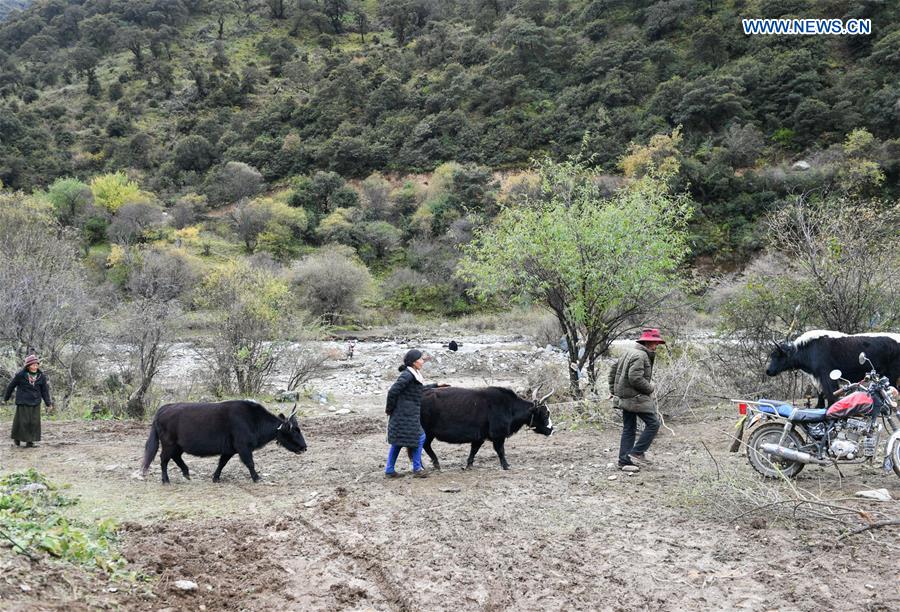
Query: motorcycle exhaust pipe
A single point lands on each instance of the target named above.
(790, 454)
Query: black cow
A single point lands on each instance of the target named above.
(224, 428)
(471, 416)
(819, 352)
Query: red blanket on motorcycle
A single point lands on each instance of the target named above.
(858, 403)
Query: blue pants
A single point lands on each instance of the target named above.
(415, 456)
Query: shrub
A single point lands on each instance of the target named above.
(160, 276)
(133, 220)
(193, 153)
(253, 308)
(330, 283)
(188, 209)
(71, 199)
(111, 191)
(236, 181)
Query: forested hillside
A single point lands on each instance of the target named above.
(7, 6)
(173, 91)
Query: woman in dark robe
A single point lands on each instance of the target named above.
(31, 386)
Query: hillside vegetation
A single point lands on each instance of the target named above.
(7, 6)
(173, 90)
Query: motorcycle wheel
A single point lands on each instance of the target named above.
(768, 466)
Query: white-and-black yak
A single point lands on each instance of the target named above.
(818, 352)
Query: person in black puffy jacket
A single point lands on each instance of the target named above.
(404, 403)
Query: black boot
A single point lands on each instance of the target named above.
(17, 442)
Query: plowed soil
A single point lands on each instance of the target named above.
(325, 531)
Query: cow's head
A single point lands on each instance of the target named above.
(288, 433)
(781, 358)
(540, 421)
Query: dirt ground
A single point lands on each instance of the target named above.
(325, 531)
(563, 529)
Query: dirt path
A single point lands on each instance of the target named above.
(325, 531)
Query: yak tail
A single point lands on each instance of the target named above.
(150, 448)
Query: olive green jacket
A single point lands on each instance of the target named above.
(629, 380)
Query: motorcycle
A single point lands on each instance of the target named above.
(782, 438)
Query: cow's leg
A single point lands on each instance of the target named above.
(498, 447)
(475, 446)
(430, 452)
(176, 457)
(246, 456)
(164, 456)
(223, 459)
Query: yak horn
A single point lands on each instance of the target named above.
(543, 399)
(535, 392)
(293, 411)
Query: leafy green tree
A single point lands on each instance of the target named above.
(99, 31)
(338, 226)
(133, 39)
(335, 11)
(283, 235)
(317, 194)
(253, 307)
(84, 59)
(111, 191)
(194, 152)
(271, 225)
(378, 240)
(71, 199)
(859, 175)
(603, 267)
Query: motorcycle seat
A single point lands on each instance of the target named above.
(812, 415)
(775, 407)
(808, 416)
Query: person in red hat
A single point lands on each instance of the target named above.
(631, 388)
(31, 386)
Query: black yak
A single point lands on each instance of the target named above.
(235, 427)
(471, 416)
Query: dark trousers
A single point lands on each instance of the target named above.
(629, 429)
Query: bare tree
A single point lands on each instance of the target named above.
(145, 336)
(302, 358)
(132, 220)
(47, 306)
(330, 283)
(145, 329)
(250, 220)
(848, 256)
(254, 318)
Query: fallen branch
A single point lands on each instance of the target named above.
(718, 472)
(875, 525)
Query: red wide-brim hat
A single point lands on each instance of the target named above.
(651, 335)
